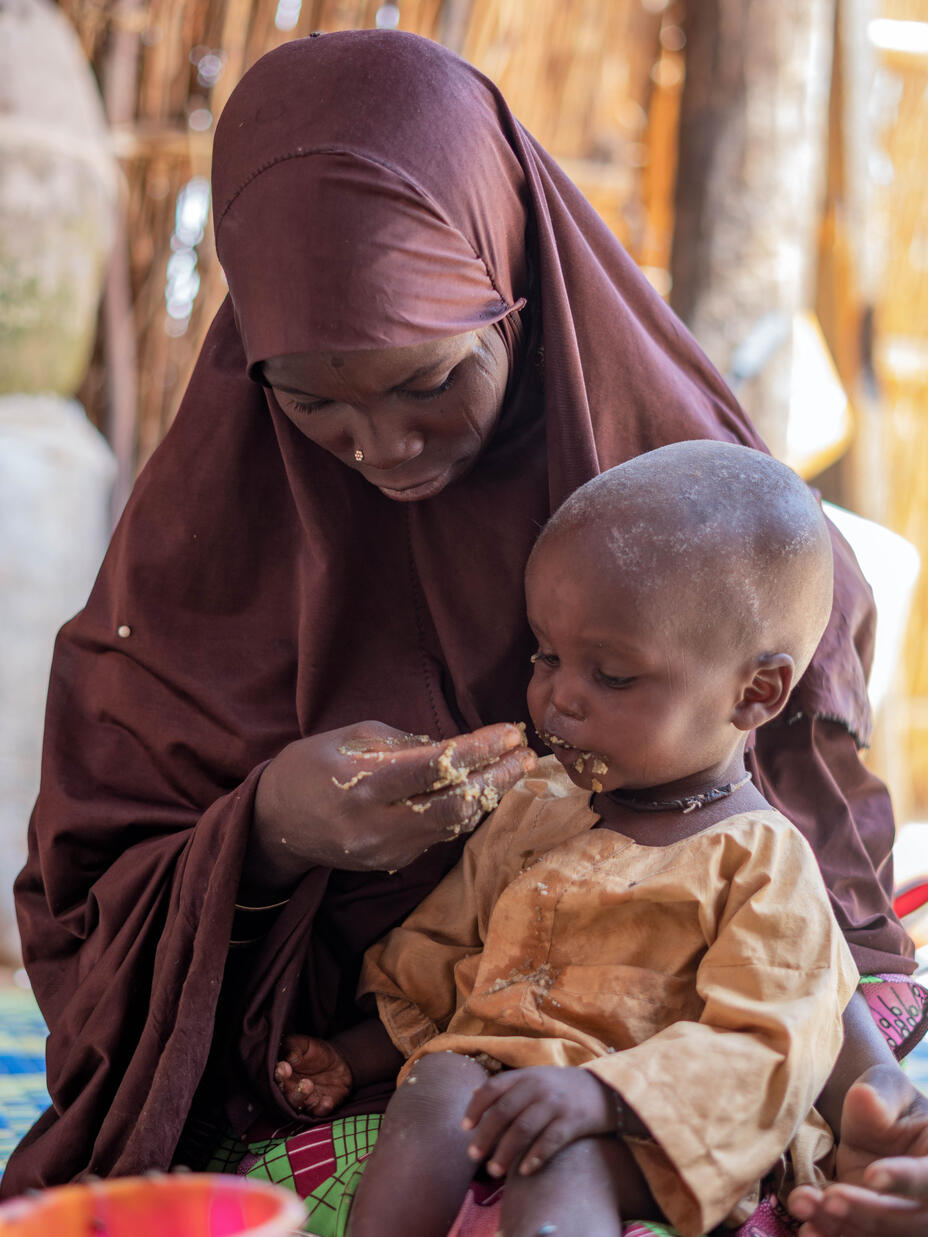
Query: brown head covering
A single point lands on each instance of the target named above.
(369, 189)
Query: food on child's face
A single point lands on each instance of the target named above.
(551, 739)
(598, 767)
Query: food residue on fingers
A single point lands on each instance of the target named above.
(377, 748)
(449, 774)
(352, 781)
(417, 807)
(489, 798)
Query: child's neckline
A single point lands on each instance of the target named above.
(661, 829)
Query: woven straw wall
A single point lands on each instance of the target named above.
(595, 80)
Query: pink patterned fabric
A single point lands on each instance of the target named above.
(899, 1007)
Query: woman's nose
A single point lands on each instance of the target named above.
(387, 443)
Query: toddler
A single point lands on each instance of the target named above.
(627, 995)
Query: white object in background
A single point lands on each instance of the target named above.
(890, 565)
(56, 472)
(910, 863)
(819, 426)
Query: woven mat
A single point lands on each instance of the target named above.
(22, 1067)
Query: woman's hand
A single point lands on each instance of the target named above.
(369, 797)
(312, 1074)
(525, 1116)
(881, 1168)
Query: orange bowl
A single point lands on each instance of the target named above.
(161, 1205)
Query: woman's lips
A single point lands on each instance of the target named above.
(418, 490)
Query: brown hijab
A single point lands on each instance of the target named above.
(370, 189)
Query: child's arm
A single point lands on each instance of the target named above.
(315, 1075)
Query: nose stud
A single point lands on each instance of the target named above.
(358, 454)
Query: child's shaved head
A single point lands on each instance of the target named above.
(719, 540)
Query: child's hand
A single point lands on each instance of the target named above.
(313, 1076)
(529, 1114)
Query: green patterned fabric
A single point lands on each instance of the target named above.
(324, 1165)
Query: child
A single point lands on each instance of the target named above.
(627, 995)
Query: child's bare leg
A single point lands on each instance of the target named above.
(419, 1170)
(586, 1188)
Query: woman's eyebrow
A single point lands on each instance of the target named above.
(294, 391)
(433, 367)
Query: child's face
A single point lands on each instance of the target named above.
(616, 692)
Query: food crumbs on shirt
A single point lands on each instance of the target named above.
(123, 631)
(542, 977)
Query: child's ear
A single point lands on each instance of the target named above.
(766, 692)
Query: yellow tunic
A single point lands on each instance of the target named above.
(704, 981)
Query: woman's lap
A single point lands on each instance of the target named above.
(324, 1164)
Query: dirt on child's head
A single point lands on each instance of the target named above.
(722, 542)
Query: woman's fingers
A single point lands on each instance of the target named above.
(397, 775)
(849, 1211)
(451, 810)
(904, 1175)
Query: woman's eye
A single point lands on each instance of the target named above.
(546, 659)
(432, 392)
(308, 406)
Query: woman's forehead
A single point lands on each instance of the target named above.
(378, 368)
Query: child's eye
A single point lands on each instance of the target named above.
(614, 681)
(433, 391)
(546, 659)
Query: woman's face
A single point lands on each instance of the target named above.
(409, 420)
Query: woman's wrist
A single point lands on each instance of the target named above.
(272, 866)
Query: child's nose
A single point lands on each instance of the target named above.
(567, 698)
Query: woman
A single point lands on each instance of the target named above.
(430, 340)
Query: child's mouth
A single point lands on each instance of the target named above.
(574, 758)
